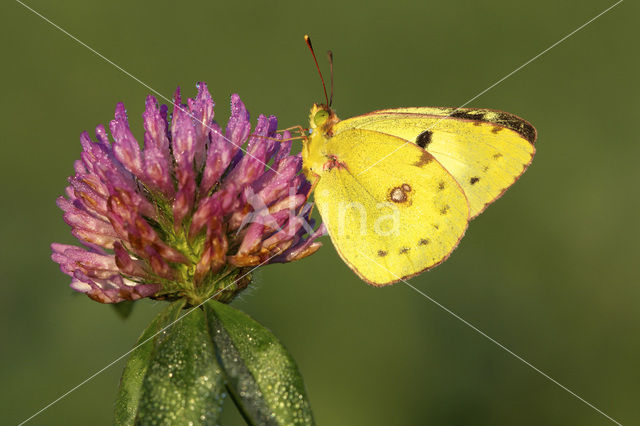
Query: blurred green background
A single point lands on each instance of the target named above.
(550, 271)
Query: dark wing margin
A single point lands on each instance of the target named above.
(500, 118)
(510, 121)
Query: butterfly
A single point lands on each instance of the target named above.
(396, 188)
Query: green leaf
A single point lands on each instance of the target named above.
(262, 377)
(184, 384)
(128, 398)
(124, 308)
(173, 376)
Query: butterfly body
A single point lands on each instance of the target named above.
(396, 188)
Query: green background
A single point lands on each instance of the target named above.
(550, 271)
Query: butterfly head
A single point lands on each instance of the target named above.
(322, 119)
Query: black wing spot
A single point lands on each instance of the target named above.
(474, 180)
(404, 250)
(424, 138)
(444, 209)
(382, 253)
(441, 185)
(496, 129)
(423, 242)
(497, 156)
(435, 225)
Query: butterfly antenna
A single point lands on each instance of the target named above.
(330, 56)
(307, 40)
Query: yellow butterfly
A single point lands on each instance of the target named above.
(396, 188)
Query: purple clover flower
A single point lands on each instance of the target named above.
(189, 214)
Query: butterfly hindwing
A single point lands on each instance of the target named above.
(484, 150)
(391, 209)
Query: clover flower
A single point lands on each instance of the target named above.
(188, 215)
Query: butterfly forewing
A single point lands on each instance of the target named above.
(484, 150)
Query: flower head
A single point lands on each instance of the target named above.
(189, 214)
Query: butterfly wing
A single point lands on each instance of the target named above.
(391, 209)
(486, 151)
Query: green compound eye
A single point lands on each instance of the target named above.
(320, 117)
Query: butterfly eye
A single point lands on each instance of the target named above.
(320, 117)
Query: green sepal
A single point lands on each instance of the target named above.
(184, 384)
(124, 308)
(173, 378)
(126, 406)
(262, 377)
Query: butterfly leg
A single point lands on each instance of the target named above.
(278, 140)
(311, 189)
(299, 129)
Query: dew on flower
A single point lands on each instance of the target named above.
(191, 213)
